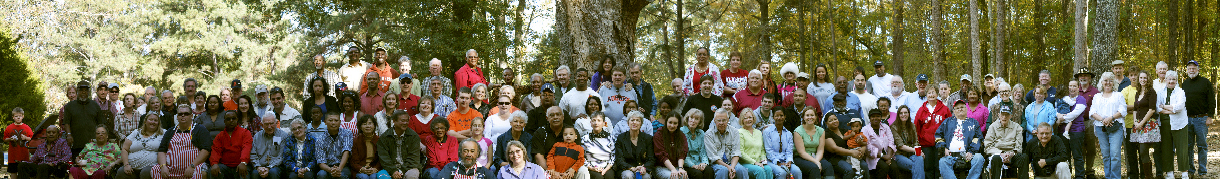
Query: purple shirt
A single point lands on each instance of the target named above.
(51, 153)
(979, 113)
(531, 171)
(1078, 123)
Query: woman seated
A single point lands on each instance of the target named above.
(98, 156)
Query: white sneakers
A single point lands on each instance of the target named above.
(1185, 175)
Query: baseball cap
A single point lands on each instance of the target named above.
(547, 87)
(82, 84)
(404, 78)
(874, 112)
(960, 101)
(260, 89)
(921, 77)
(1192, 62)
(855, 120)
(878, 63)
(340, 86)
(966, 77)
(235, 84)
(989, 76)
(1116, 62)
(1006, 109)
(802, 75)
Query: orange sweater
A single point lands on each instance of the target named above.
(564, 156)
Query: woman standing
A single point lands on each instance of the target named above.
(321, 99)
(419, 122)
(246, 117)
(633, 150)
(778, 142)
(602, 74)
(821, 88)
(478, 99)
(140, 149)
(1147, 130)
(1108, 110)
(697, 164)
(128, 120)
(1172, 105)
(702, 67)
(599, 151)
(98, 157)
(670, 147)
(349, 104)
(809, 136)
(753, 154)
(975, 108)
(905, 139)
(364, 160)
(499, 122)
(213, 119)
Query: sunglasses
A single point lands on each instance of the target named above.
(506, 103)
(184, 114)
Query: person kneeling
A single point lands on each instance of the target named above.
(1048, 156)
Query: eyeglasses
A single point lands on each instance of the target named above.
(506, 103)
(184, 114)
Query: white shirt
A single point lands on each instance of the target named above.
(881, 85)
(352, 74)
(1177, 100)
(1107, 106)
(911, 100)
(821, 90)
(495, 125)
(867, 102)
(1077, 109)
(574, 101)
(287, 116)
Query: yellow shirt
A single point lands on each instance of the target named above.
(1129, 94)
(751, 146)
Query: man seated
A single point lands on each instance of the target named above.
(1003, 145)
(465, 167)
(959, 137)
(50, 158)
(1048, 156)
(397, 159)
(230, 150)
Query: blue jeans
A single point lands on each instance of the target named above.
(1199, 139)
(758, 172)
(845, 171)
(976, 166)
(346, 173)
(379, 174)
(1111, 144)
(911, 162)
(722, 172)
(272, 173)
(782, 172)
(293, 175)
(1075, 143)
(431, 172)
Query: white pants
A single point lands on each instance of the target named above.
(1061, 172)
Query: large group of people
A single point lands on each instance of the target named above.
(368, 120)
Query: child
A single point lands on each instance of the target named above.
(855, 141)
(476, 131)
(14, 134)
(561, 156)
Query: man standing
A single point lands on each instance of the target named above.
(900, 97)
(751, 96)
(959, 136)
(921, 87)
(537, 117)
(734, 77)
(705, 101)
(404, 68)
(574, 101)
(385, 73)
(80, 118)
(1004, 99)
(103, 101)
(466, 168)
(1201, 95)
(370, 98)
(283, 113)
(868, 101)
(616, 95)
(534, 98)
(443, 104)
(265, 153)
(351, 71)
(966, 84)
(1003, 145)
(398, 150)
(406, 100)
(1085, 79)
(1117, 68)
(320, 71)
(459, 120)
(647, 99)
(562, 81)
(469, 74)
(236, 87)
(446, 85)
(881, 81)
(230, 150)
(188, 89)
(1044, 78)
(264, 101)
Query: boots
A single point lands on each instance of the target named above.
(1146, 169)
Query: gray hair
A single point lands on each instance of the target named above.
(519, 115)
(755, 72)
(1171, 74)
(434, 60)
(1107, 76)
(564, 68)
(723, 111)
(1162, 64)
(462, 146)
(1048, 72)
(404, 59)
(635, 114)
(945, 82)
(536, 76)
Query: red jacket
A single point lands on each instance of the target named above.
(467, 77)
(440, 154)
(926, 122)
(231, 149)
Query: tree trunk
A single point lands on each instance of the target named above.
(976, 64)
(899, 38)
(519, 31)
(1188, 49)
(1172, 38)
(669, 53)
(1000, 29)
(938, 59)
(680, 29)
(834, 49)
(764, 35)
(1104, 25)
(593, 28)
(1080, 48)
(1039, 41)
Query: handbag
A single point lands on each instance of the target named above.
(1111, 128)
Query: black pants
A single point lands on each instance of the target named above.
(1131, 152)
(1019, 161)
(598, 175)
(931, 160)
(809, 169)
(707, 172)
(883, 169)
(42, 171)
(1164, 150)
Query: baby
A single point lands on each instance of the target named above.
(855, 141)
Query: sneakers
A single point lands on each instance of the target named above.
(1169, 175)
(1185, 175)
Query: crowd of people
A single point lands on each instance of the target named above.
(368, 120)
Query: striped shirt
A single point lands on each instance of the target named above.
(331, 147)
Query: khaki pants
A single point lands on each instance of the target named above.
(1061, 172)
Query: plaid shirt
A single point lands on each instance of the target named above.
(446, 89)
(51, 153)
(331, 78)
(331, 147)
(305, 159)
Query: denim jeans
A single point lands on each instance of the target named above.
(812, 170)
(1199, 140)
(1074, 146)
(346, 173)
(845, 171)
(722, 172)
(759, 172)
(976, 166)
(272, 173)
(782, 172)
(911, 162)
(1111, 144)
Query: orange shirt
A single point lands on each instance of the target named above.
(564, 156)
(386, 73)
(461, 122)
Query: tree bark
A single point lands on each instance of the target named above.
(764, 35)
(1173, 33)
(1000, 46)
(899, 39)
(593, 28)
(938, 59)
(976, 64)
(1104, 25)
(1079, 48)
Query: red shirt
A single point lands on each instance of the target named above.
(409, 102)
(734, 80)
(231, 149)
(467, 77)
(230, 105)
(564, 156)
(695, 82)
(746, 99)
(927, 121)
(15, 152)
(810, 101)
(371, 103)
(421, 128)
(440, 154)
